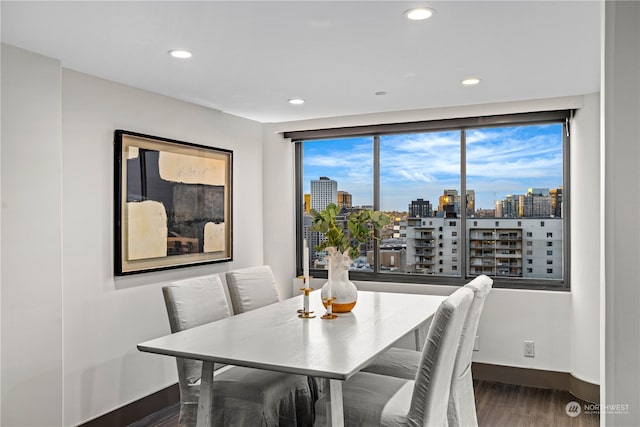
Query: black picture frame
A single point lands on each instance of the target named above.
(173, 203)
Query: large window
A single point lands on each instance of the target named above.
(420, 186)
(472, 196)
(336, 171)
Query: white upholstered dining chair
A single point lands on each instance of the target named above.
(403, 363)
(242, 396)
(372, 399)
(255, 287)
(251, 288)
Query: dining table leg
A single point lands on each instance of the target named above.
(205, 402)
(335, 411)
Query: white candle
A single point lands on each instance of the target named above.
(305, 264)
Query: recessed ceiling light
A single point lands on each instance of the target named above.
(296, 101)
(180, 53)
(419, 13)
(381, 93)
(472, 81)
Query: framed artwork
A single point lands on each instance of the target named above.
(172, 203)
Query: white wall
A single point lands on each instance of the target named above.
(585, 241)
(31, 304)
(65, 316)
(621, 102)
(105, 318)
(510, 316)
(279, 208)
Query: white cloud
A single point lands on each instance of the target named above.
(499, 161)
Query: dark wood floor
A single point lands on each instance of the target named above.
(498, 405)
(507, 405)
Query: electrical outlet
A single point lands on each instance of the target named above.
(529, 349)
(476, 344)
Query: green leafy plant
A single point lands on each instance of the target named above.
(349, 238)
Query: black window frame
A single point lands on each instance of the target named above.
(375, 131)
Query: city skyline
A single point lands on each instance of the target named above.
(500, 162)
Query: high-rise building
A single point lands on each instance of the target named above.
(420, 247)
(449, 203)
(511, 247)
(471, 202)
(400, 227)
(556, 202)
(509, 207)
(307, 203)
(538, 191)
(323, 192)
(536, 203)
(344, 199)
(420, 209)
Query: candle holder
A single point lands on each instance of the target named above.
(304, 313)
(328, 302)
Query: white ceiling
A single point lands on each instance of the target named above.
(249, 57)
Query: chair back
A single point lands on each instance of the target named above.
(193, 302)
(433, 379)
(251, 288)
(462, 407)
(481, 286)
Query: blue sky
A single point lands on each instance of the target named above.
(500, 161)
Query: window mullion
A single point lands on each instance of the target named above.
(376, 198)
(462, 256)
(566, 202)
(299, 208)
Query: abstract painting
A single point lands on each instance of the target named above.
(172, 203)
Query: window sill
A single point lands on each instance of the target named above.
(420, 279)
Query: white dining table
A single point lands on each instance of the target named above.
(275, 338)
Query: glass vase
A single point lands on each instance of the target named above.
(342, 289)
